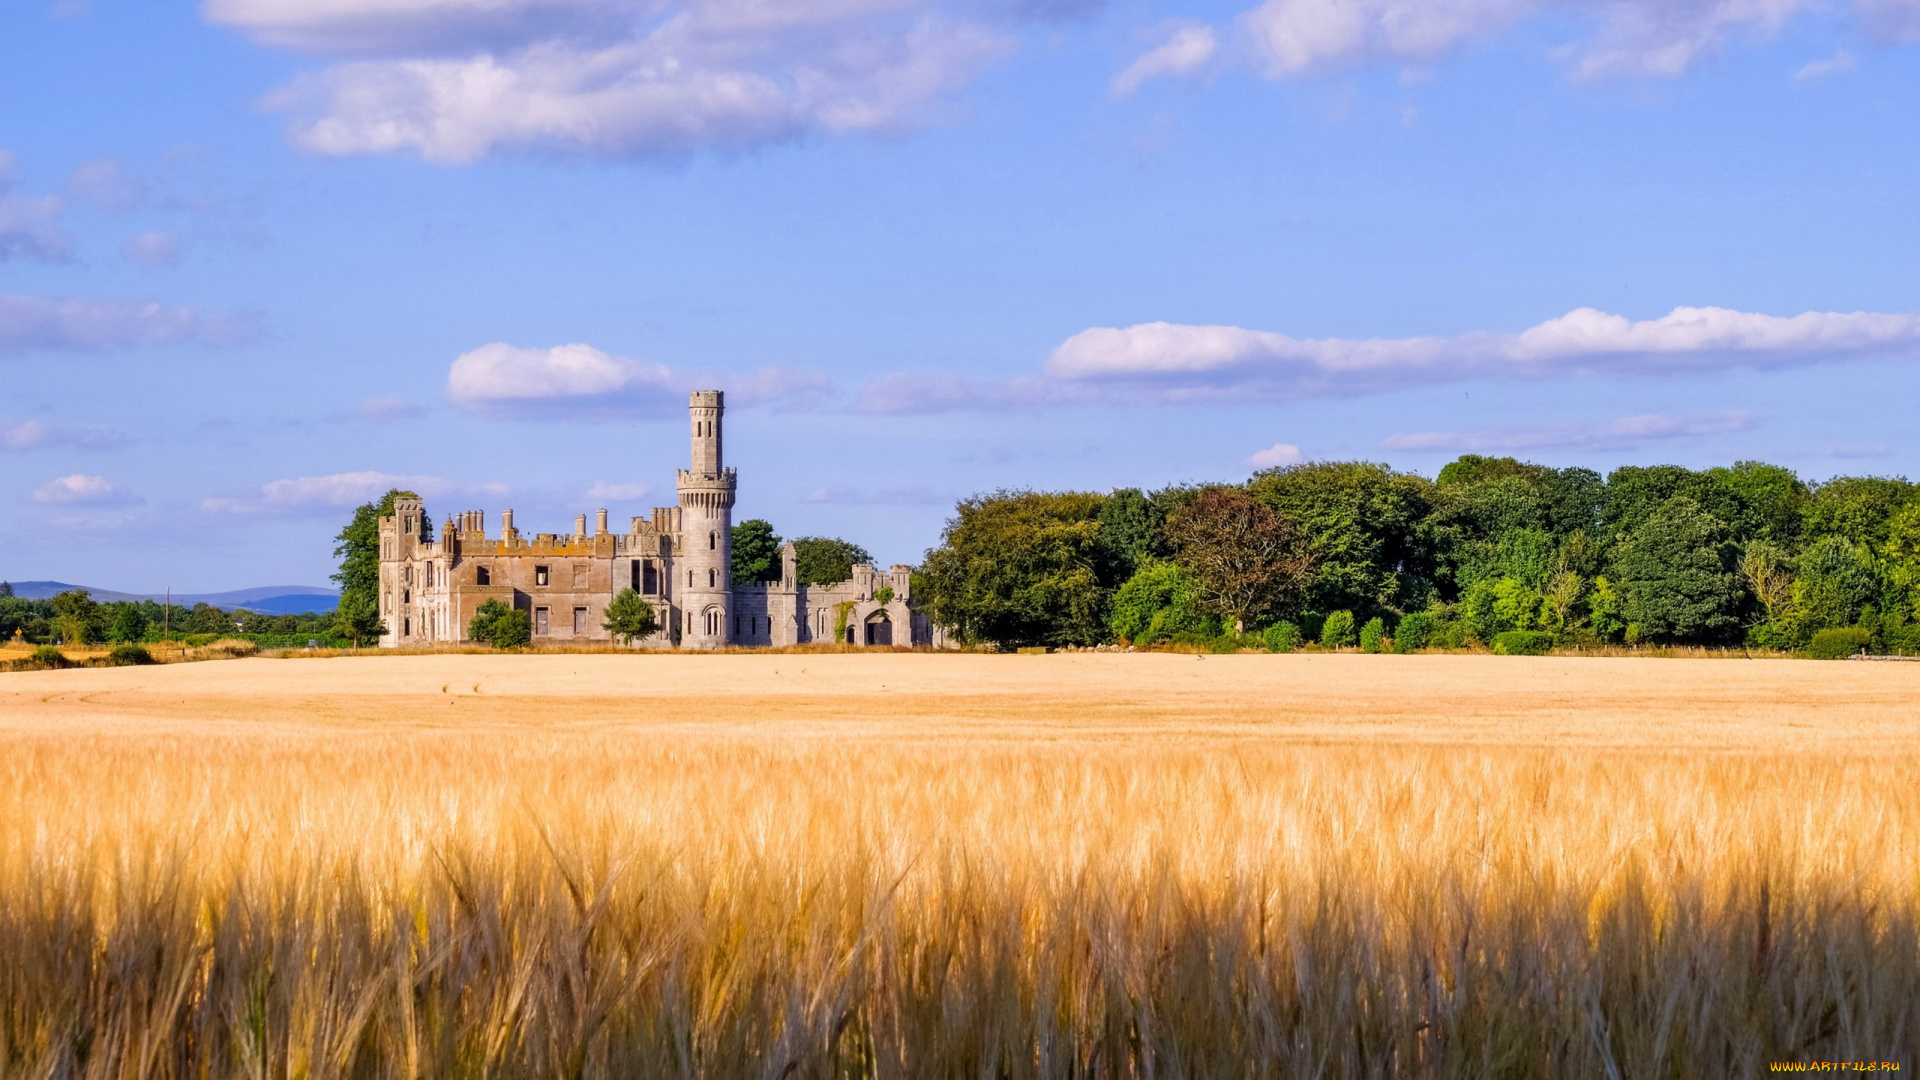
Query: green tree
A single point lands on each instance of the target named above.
(1020, 568)
(6, 590)
(358, 549)
(1673, 569)
(513, 630)
(1131, 533)
(630, 618)
(1856, 508)
(826, 560)
(357, 618)
(1836, 582)
(485, 617)
(75, 617)
(1337, 631)
(1157, 602)
(1363, 525)
(129, 624)
(756, 551)
(1245, 560)
(1901, 549)
(1773, 499)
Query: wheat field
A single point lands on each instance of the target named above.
(958, 866)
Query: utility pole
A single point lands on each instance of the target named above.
(166, 617)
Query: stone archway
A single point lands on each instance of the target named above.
(879, 629)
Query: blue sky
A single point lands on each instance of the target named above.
(259, 258)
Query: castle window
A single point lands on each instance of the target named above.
(407, 523)
(713, 541)
(542, 622)
(579, 576)
(649, 579)
(429, 575)
(579, 621)
(406, 628)
(406, 596)
(633, 568)
(481, 576)
(709, 578)
(540, 574)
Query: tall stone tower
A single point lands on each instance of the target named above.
(706, 530)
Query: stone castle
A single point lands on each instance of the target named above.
(678, 560)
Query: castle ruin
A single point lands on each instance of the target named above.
(679, 560)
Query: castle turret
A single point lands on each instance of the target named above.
(706, 529)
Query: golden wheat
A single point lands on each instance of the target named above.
(197, 880)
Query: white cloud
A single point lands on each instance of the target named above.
(906, 394)
(154, 249)
(1627, 38)
(103, 184)
(618, 492)
(1180, 360)
(385, 410)
(53, 323)
(83, 490)
(1275, 456)
(38, 434)
(1187, 49)
(335, 491)
(1624, 433)
(506, 380)
(1839, 63)
(458, 80)
(30, 225)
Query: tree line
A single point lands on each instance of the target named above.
(76, 618)
(1744, 555)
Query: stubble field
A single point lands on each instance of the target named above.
(912, 866)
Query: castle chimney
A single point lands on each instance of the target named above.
(507, 532)
(580, 525)
(600, 522)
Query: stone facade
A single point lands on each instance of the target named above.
(678, 560)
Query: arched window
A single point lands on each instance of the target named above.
(713, 541)
(709, 578)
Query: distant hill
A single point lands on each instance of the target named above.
(266, 599)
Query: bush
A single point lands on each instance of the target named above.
(1412, 633)
(1372, 634)
(1281, 637)
(46, 656)
(1522, 643)
(1839, 643)
(512, 630)
(1337, 631)
(128, 653)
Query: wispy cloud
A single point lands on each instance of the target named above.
(39, 435)
(575, 380)
(68, 324)
(1188, 48)
(455, 82)
(30, 225)
(1625, 433)
(331, 492)
(618, 492)
(154, 250)
(82, 489)
(1839, 63)
(902, 495)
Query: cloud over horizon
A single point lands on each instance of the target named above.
(331, 492)
(82, 489)
(1625, 433)
(508, 381)
(72, 324)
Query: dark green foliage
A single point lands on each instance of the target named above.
(1245, 561)
(358, 548)
(1281, 636)
(1839, 643)
(129, 624)
(1155, 604)
(1773, 499)
(1020, 568)
(1337, 631)
(1373, 635)
(48, 656)
(1522, 643)
(127, 653)
(1856, 508)
(6, 590)
(630, 618)
(358, 619)
(1674, 572)
(76, 617)
(485, 618)
(756, 552)
(1837, 581)
(826, 560)
(1363, 525)
(1130, 534)
(1412, 633)
(513, 630)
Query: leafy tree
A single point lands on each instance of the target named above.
(756, 551)
(204, 618)
(1901, 549)
(129, 624)
(1856, 508)
(1337, 631)
(74, 616)
(1837, 581)
(1576, 500)
(1245, 561)
(357, 618)
(1674, 574)
(1470, 469)
(513, 630)
(630, 618)
(1157, 602)
(1607, 609)
(6, 590)
(1363, 525)
(1020, 568)
(485, 617)
(1131, 533)
(826, 560)
(358, 548)
(1773, 499)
